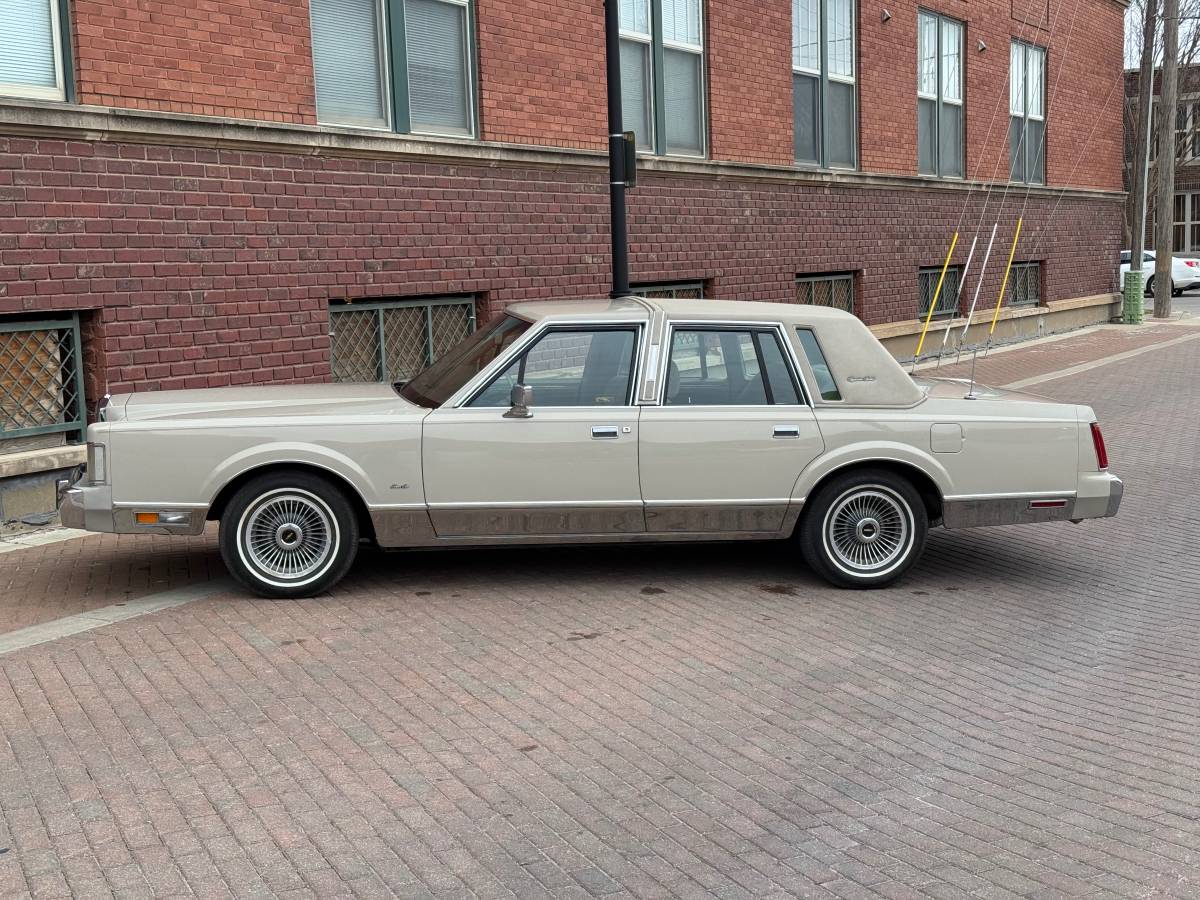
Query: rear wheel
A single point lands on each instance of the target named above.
(864, 529)
(289, 534)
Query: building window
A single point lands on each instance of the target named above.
(393, 340)
(32, 55)
(836, 290)
(947, 300)
(1025, 284)
(404, 65)
(662, 75)
(671, 290)
(1027, 107)
(1187, 130)
(41, 383)
(939, 95)
(823, 83)
(1186, 236)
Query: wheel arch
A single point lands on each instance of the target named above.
(336, 479)
(922, 482)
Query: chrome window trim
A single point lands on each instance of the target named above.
(789, 353)
(462, 398)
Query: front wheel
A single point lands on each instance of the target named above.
(288, 534)
(863, 529)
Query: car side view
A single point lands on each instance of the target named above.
(599, 421)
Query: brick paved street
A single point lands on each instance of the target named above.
(1019, 717)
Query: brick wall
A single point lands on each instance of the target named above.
(212, 267)
(750, 80)
(232, 58)
(541, 68)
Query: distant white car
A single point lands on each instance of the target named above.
(1185, 273)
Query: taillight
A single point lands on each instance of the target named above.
(1098, 443)
(1191, 262)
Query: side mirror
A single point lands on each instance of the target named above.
(521, 399)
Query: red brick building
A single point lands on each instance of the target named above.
(199, 184)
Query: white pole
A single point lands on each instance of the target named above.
(978, 285)
(962, 282)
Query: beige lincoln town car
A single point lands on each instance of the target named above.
(588, 421)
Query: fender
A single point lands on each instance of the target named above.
(284, 452)
(874, 451)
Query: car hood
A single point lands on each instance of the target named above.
(276, 401)
(957, 389)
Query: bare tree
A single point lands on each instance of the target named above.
(1137, 178)
(1168, 150)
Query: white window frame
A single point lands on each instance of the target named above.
(33, 92)
(658, 142)
(469, 75)
(822, 73)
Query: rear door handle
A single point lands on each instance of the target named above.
(787, 431)
(605, 432)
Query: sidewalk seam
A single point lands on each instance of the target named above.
(1097, 363)
(108, 615)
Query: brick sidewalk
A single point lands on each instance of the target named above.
(1017, 718)
(39, 584)
(1000, 368)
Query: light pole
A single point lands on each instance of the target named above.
(620, 159)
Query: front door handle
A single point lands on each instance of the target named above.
(787, 431)
(605, 432)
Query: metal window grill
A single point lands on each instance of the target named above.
(41, 379)
(394, 340)
(681, 290)
(1025, 284)
(927, 281)
(836, 290)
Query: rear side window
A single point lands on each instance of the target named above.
(728, 367)
(816, 360)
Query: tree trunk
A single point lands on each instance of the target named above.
(1168, 101)
(1141, 152)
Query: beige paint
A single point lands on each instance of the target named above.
(469, 475)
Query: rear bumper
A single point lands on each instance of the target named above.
(1098, 496)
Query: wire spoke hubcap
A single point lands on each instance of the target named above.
(288, 535)
(868, 530)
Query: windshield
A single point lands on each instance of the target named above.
(461, 363)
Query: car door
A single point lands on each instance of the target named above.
(731, 432)
(570, 468)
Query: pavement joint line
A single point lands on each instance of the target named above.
(24, 540)
(109, 615)
(1097, 363)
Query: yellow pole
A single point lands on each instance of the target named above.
(1004, 283)
(936, 293)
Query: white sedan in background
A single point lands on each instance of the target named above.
(1185, 273)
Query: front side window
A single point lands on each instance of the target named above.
(939, 95)
(31, 50)
(1027, 113)
(718, 367)
(927, 288)
(823, 82)
(405, 65)
(570, 367)
(662, 75)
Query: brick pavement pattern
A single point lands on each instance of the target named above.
(78, 576)
(1000, 368)
(1017, 718)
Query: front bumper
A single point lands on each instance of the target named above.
(89, 507)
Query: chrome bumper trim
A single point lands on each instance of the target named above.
(1116, 493)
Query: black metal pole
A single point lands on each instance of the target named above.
(616, 153)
